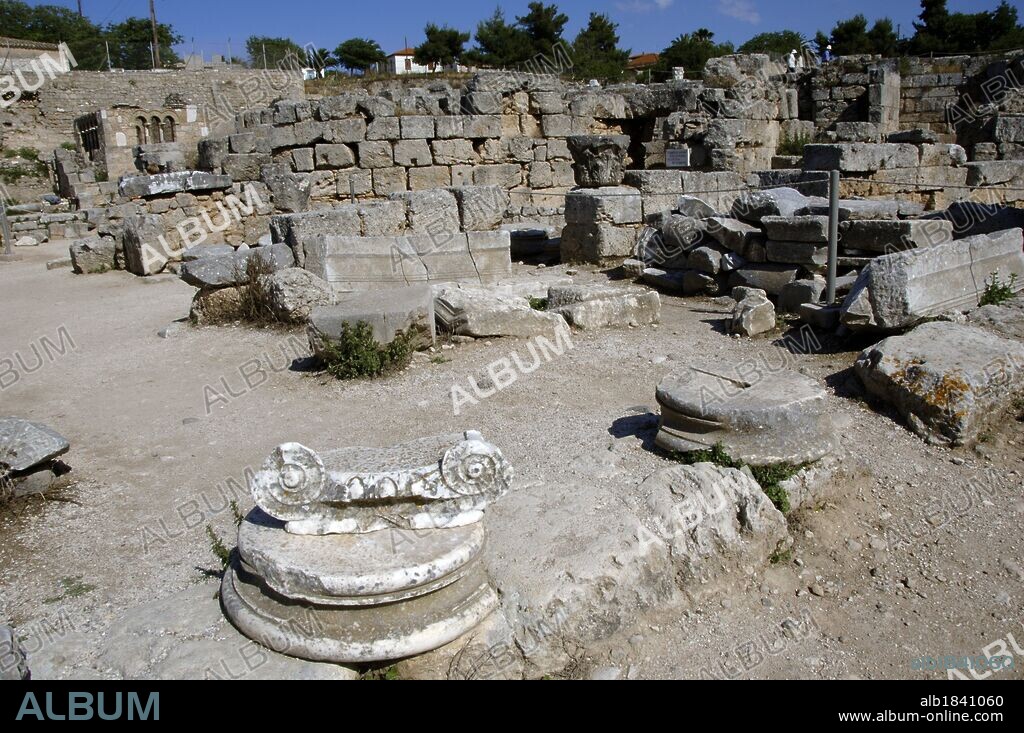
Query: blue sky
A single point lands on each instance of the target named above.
(644, 25)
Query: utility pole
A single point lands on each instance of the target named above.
(156, 37)
(79, 8)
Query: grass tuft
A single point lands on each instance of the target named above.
(998, 292)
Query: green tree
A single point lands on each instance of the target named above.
(130, 44)
(443, 46)
(883, 39)
(850, 37)
(596, 52)
(692, 51)
(778, 43)
(499, 44)
(273, 52)
(543, 25)
(320, 60)
(55, 24)
(359, 54)
(943, 32)
(821, 42)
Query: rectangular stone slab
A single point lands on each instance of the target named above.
(899, 290)
(888, 236)
(372, 263)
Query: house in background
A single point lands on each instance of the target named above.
(17, 54)
(402, 62)
(642, 62)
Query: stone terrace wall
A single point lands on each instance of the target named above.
(509, 130)
(221, 92)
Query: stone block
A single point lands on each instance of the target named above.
(411, 153)
(400, 310)
(334, 156)
(947, 380)
(898, 290)
(417, 128)
(611, 204)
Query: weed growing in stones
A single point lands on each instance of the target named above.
(217, 546)
(794, 145)
(254, 298)
(73, 588)
(539, 304)
(770, 477)
(356, 353)
(996, 291)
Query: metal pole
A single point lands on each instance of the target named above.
(352, 189)
(5, 227)
(833, 235)
(156, 36)
(109, 65)
(229, 52)
(264, 56)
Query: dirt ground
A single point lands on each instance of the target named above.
(919, 553)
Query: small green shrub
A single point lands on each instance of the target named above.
(998, 292)
(69, 146)
(356, 354)
(781, 557)
(539, 304)
(794, 145)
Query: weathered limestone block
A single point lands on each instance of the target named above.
(454, 152)
(389, 180)
(598, 243)
(753, 316)
(481, 208)
(291, 191)
(371, 263)
(946, 379)
(384, 128)
(799, 292)
(994, 173)
(810, 254)
(611, 204)
(599, 160)
(889, 236)
(332, 156)
(25, 445)
(782, 417)
(231, 270)
(733, 234)
(856, 210)
(755, 205)
(293, 293)
(898, 290)
(245, 167)
(93, 255)
(401, 310)
(770, 278)
(431, 177)
(411, 153)
(148, 246)
(212, 307)
(506, 175)
(861, 157)
(434, 212)
(480, 313)
(796, 228)
(376, 155)
(165, 183)
(594, 308)
(714, 520)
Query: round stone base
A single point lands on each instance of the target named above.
(356, 570)
(359, 634)
(770, 418)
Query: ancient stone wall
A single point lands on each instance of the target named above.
(222, 92)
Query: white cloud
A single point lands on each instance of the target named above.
(643, 6)
(740, 9)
